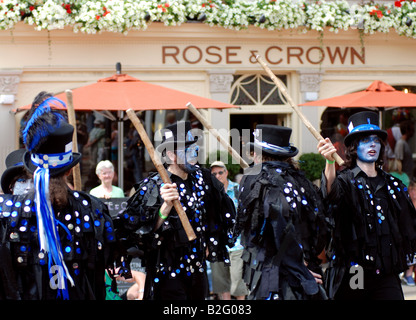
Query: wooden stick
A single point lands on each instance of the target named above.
(283, 90)
(215, 133)
(162, 172)
(71, 119)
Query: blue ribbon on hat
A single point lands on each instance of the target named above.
(48, 233)
(54, 161)
(272, 147)
(365, 127)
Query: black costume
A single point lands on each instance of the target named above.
(85, 232)
(375, 226)
(374, 218)
(281, 217)
(175, 267)
(55, 243)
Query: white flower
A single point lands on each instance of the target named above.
(123, 15)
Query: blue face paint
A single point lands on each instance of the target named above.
(189, 155)
(368, 149)
(188, 158)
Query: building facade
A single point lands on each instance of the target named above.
(208, 61)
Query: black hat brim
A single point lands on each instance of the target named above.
(76, 158)
(293, 151)
(8, 176)
(351, 136)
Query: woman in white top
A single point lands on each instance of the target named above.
(105, 172)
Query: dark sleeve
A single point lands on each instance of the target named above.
(336, 190)
(341, 193)
(9, 288)
(134, 226)
(220, 220)
(406, 216)
(141, 211)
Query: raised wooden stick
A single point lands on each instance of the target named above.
(294, 106)
(215, 133)
(162, 172)
(72, 120)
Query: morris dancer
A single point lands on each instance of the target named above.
(175, 266)
(375, 220)
(281, 218)
(55, 241)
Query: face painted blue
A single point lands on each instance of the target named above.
(188, 158)
(368, 149)
(189, 155)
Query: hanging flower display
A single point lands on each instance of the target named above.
(124, 15)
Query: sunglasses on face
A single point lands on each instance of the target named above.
(218, 173)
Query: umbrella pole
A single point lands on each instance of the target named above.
(215, 133)
(162, 172)
(306, 122)
(120, 150)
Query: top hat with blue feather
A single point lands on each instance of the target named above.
(48, 140)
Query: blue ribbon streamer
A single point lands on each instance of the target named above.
(47, 231)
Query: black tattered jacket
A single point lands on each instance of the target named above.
(375, 222)
(281, 219)
(86, 236)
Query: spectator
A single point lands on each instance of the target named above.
(228, 281)
(106, 190)
(96, 142)
(402, 150)
(408, 274)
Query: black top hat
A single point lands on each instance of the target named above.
(363, 123)
(177, 135)
(273, 140)
(54, 151)
(14, 168)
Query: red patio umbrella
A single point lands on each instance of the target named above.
(377, 95)
(122, 92)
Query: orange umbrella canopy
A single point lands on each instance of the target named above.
(378, 95)
(122, 92)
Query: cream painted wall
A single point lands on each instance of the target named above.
(60, 59)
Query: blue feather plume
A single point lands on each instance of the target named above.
(42, 122)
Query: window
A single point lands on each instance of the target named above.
(256, 90)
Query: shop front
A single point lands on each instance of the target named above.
(211, 62)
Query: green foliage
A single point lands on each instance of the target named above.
(312, 164)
